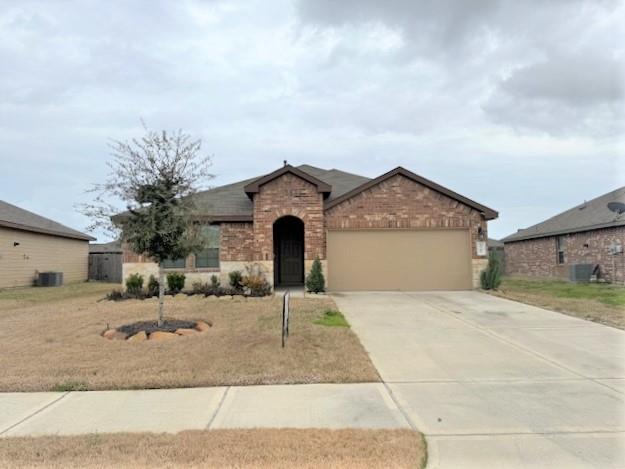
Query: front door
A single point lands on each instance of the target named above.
(291, 258)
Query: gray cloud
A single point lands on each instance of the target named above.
(488, 97)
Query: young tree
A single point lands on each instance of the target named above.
(155, 178)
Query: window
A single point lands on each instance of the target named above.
(561, 249)
(209, 256)
(174, 263)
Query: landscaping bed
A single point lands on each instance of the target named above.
(261, 448)
(243, 346)
(602, 303)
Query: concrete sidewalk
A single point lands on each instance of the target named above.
(366, 405)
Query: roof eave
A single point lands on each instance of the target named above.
(583, 229)
(31, 229)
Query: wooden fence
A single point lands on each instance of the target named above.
(105, 266)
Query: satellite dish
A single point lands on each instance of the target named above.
(616, 207)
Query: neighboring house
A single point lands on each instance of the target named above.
(30, 243)
(105, 262)
(398, 231)
(589, 233)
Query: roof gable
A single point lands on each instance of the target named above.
(254, 186)
(587, 216)
(489, 213)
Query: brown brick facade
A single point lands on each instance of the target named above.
(401, 203)
(395, 202)
(236, 242)
(538, 257)
(288, 195)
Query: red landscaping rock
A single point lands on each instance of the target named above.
(161, 335)
(138, 337)
(113, 334)
(202, 326)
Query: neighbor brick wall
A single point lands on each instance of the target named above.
(288, 195)
(537, 257)
(399, 202)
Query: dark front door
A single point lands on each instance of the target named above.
(289, 250)
(291, 261)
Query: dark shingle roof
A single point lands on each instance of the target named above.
(584, 217)
(113, 246)
(20, 219)
(231, 201)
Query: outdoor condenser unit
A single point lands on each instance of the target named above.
(50, 279)
(580, 272)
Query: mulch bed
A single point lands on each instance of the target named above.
(169, 325)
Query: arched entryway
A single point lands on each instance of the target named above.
(288, 250)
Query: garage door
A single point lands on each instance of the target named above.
(399, 260)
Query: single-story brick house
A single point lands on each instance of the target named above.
(589, 233)
(398, 231)
(30, 243)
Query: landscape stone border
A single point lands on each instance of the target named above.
(141, 336)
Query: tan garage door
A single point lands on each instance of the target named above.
(399, 260)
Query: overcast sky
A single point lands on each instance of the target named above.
(515, 104)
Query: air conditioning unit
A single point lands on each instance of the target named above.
(50, 279)
(580, 272)
(616, 248)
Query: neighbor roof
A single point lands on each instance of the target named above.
(587, 216)
(105, 248)
(20, 219)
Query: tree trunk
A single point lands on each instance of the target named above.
(161, 293)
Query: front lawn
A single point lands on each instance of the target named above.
(263, 448)
(597, 302)
(55, 343)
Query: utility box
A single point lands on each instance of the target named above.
(50, 279)
(580, 272)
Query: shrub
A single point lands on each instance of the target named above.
(236, 279)
(490, 278)
(315, 282)
(175, 281)
(116, 295)
(199, 288)
(152, 286)
(134, 284)
(255, 282)
(215, 283)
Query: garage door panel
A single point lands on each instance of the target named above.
(399, 260)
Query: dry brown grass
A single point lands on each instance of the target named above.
(48, 343)
(284, 448)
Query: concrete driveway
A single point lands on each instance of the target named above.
(495, 383)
